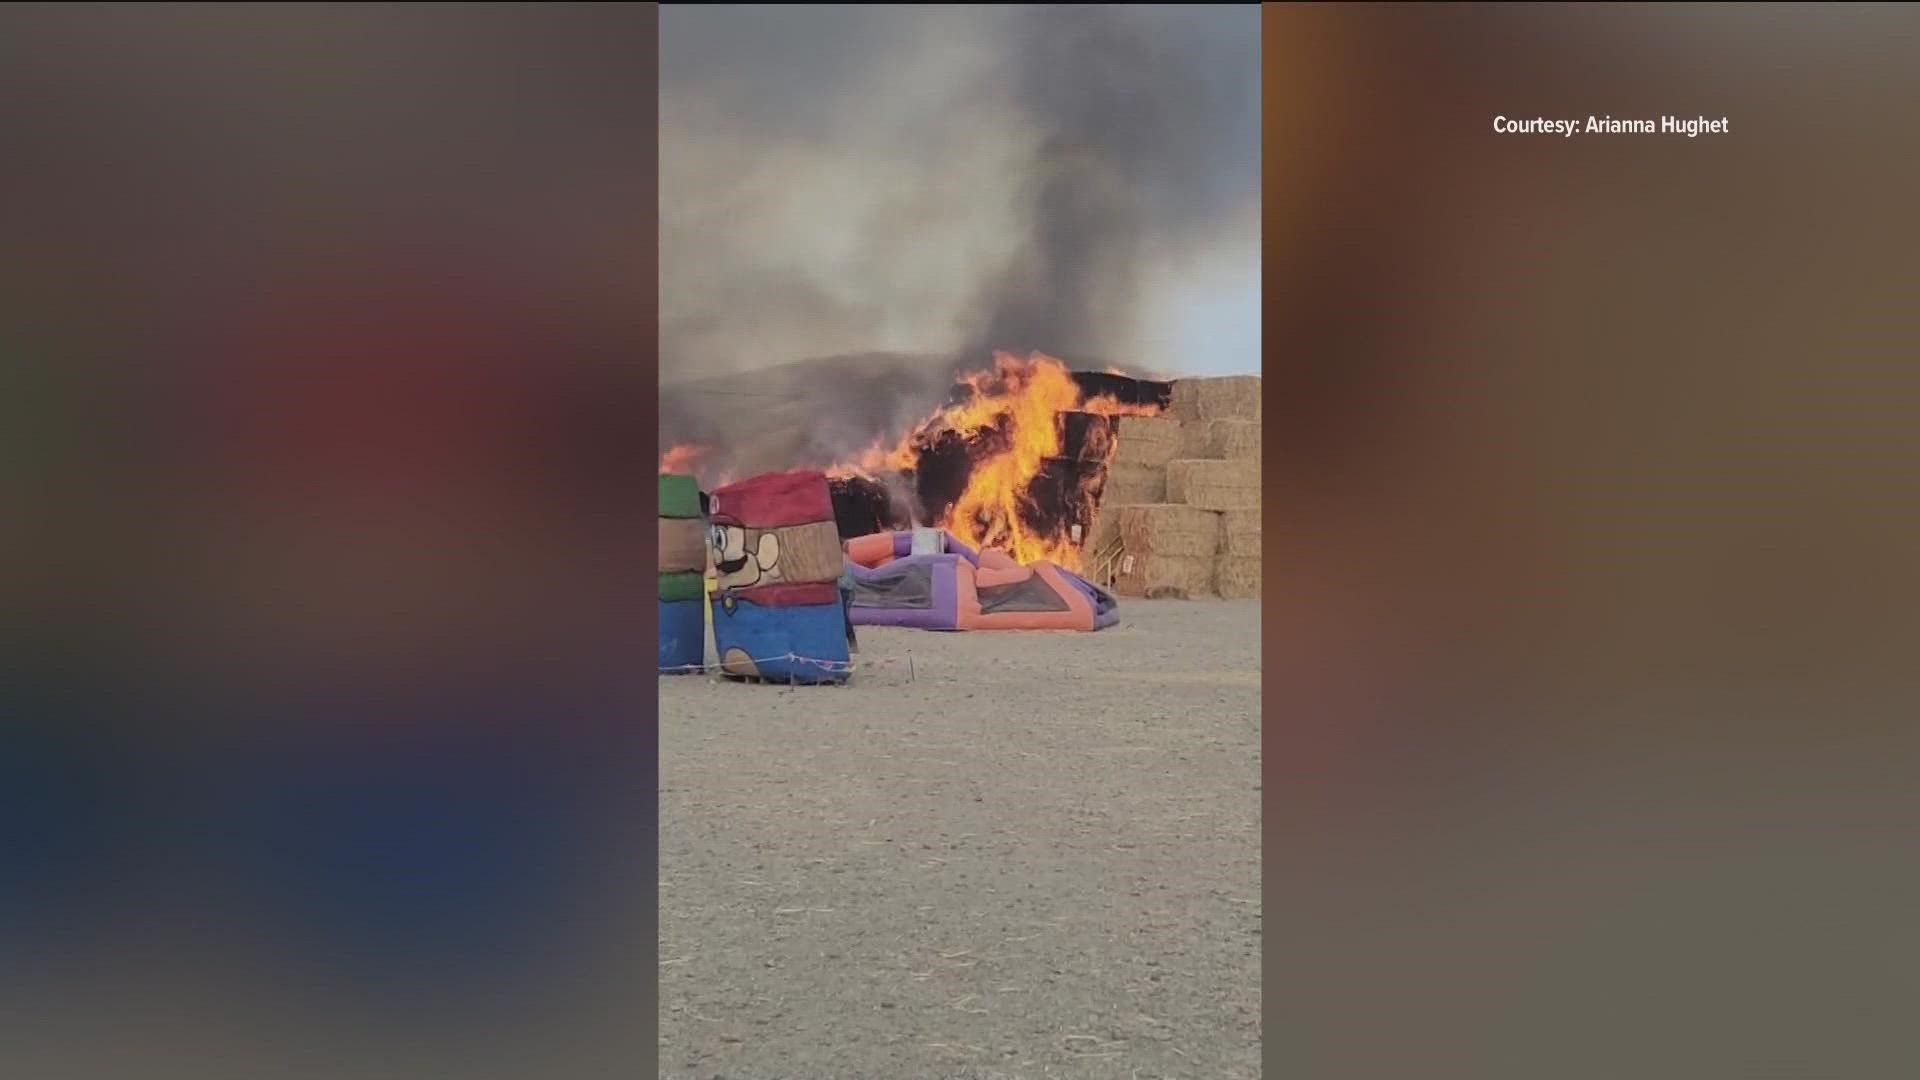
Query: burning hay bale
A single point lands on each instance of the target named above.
(863, 506)
(1214, 485)
(1235, 397)
(1049, 465)
(1166, 529)
(1085, 436)
(683, 558)
(1123, 389)
(1014, 462)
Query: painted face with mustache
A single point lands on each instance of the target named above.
(744, 557)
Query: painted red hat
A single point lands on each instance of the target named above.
(773, 501)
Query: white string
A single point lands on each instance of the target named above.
(792, 658)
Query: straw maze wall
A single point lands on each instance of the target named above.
(1179, 512)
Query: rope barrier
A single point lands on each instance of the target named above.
(846, 666)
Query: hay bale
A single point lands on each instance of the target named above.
(791, 554)
(679, 496)
(1240, 533)
(1196, 440)
(1154, 577)
(1133, 485)
(1101, 534)
(1214, 485)
(811, 553)
(1235, 397)
(1219, 440)
(1233, 440)
(1237, 577)
(683, 545)
(1145, 441)
(1165, 529)
(1085, 436)
(675, 587)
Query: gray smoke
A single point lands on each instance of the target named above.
(903, 190)
(814, 413)
(1141, 111)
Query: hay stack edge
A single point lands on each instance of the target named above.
(1180, 506)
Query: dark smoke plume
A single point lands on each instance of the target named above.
(1134, 118)
(903, 190)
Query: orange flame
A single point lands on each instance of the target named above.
(1017, 403)
(680, 459)
(1010, 423)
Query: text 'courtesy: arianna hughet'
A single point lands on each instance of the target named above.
(1691, 127)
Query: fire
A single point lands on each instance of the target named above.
(680, 459)
(1010, 425)
(1005, 434)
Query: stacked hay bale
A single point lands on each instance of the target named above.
(1166, 550)
(1143, 445)
(1180, 510)
(777, 610)
(1237, 563)
(683, 559)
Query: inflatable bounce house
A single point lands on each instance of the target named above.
(927, 579)
(683, 561)
(777, 609)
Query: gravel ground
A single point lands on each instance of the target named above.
(991, 855)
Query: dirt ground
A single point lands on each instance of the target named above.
(992, 855)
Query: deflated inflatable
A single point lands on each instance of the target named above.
(926, 578)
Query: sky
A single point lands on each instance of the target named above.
(944, 181)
